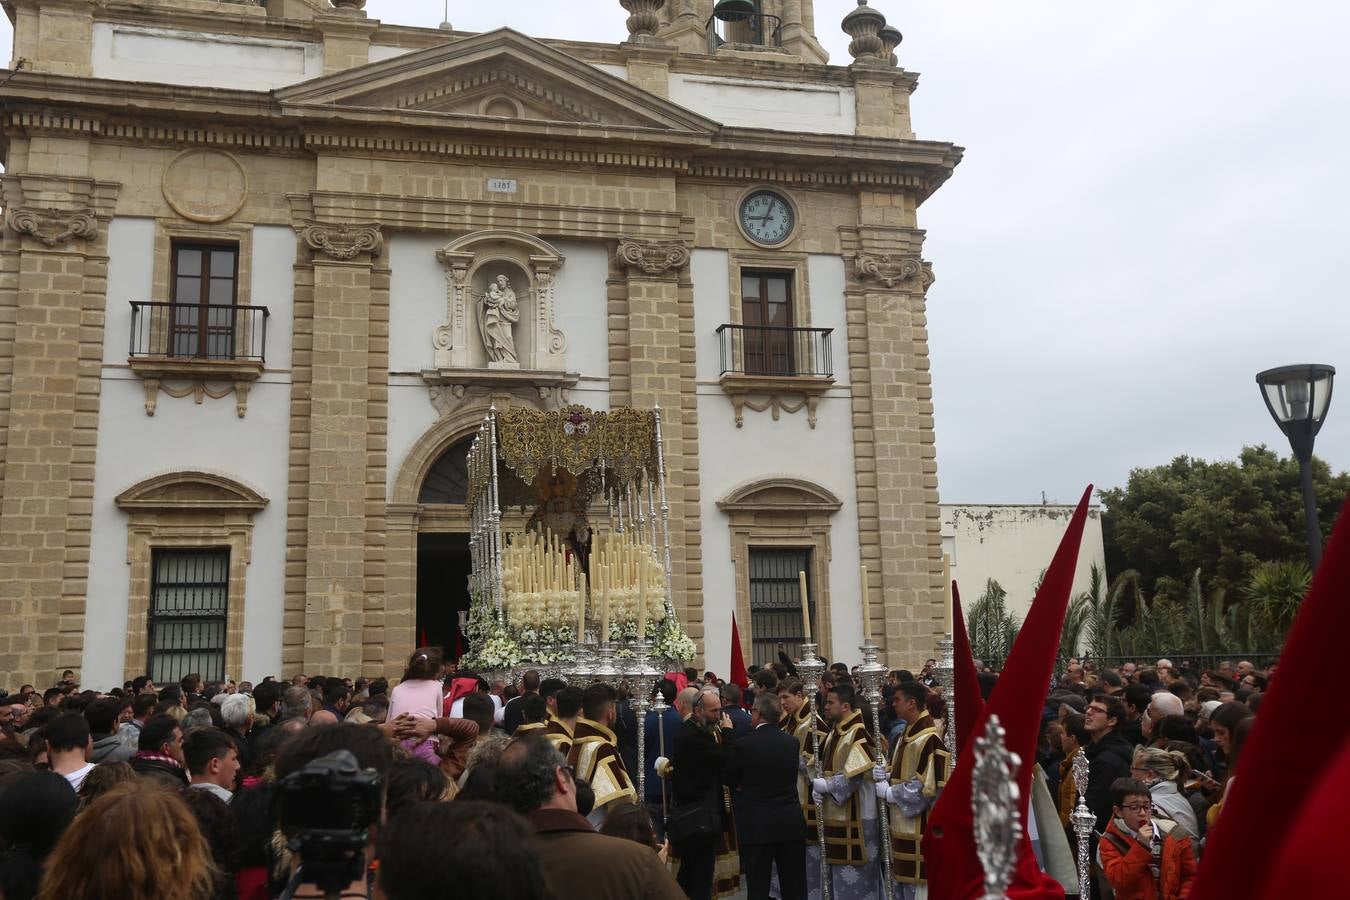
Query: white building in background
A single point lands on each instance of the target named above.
(1013, 545)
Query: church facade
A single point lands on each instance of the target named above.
(265, 267)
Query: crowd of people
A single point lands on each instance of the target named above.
(529, 790)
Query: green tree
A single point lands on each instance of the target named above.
(1222, 518)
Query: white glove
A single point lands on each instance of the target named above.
(816, 797)
(818, 786)
(883, 792)
(662, 766)
(881, 775)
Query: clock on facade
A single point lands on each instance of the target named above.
(767, 217)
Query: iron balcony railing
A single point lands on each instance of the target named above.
(747, 28)
(198, 331)
(776, 351)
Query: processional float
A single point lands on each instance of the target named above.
(580, 590)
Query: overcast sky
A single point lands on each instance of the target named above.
(1151, 209)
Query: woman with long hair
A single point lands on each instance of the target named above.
(1165, 773)
(138, 841)
(1230, 722)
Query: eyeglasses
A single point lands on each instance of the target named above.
(1138, 807)
(1101, 711)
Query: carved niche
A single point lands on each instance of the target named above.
(474, 267)
(499, 338)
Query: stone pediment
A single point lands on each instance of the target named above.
(500, 74)
(190, 491)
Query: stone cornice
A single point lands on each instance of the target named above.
(190, 116)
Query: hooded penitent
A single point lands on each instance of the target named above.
(954, 871)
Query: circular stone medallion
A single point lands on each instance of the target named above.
(205, 185)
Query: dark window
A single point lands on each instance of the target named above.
(766, 313)
(448, 480)
(188, 600)
(776, 602)
(205, 280)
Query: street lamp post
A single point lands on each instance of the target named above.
(1298, 397)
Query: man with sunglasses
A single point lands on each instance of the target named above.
(1144, 859)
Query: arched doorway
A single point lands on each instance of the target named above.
(443, 561)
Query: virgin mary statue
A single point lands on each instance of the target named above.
(498, 312)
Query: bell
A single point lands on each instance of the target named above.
(734, 10)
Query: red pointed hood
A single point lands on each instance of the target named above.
(1310, 861)
(1272, 783)
(969, 703)
(954, 870)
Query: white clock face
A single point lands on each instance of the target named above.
(767, 217)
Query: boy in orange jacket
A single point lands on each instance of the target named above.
(1144, 859)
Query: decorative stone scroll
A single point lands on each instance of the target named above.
(653, 257)
(53, 226)
(342, 241)
(904, 272)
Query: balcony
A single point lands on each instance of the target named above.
(744, 30)
(774, 368)
(199, 343)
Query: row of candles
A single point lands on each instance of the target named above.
(619, 563)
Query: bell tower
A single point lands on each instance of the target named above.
(704, 26)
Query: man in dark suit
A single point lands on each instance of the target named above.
(731, 703)
(763, 770)
(702, 748)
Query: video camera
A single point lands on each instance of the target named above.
(326, 810)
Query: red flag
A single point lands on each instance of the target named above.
(1271, 784)
(954, 871)
(738, 673)
(966, 694)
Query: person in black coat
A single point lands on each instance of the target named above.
(1109, 755)
(700, 753)
(763, 772)
(731, 704)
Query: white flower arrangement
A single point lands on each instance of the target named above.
(672, 643)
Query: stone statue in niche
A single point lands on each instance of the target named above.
(498, 312)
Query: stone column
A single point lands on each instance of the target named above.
(895, 458)
(661, 373)
(53, 287)
(340, 414)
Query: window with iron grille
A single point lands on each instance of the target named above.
(188, 608)
(776, 601)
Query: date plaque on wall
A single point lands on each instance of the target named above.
(502, 185)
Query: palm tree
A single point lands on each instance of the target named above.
(1275, 592)
(992, 628)
(1106, 608)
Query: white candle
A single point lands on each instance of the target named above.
(604, 613)
(866, 606)
(806, 607)
(947, 591)
(642, 600)
(581, 612)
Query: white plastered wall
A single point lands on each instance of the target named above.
(172, 56)
(781, 105)
(184, 435)
(1013, 544)
(730, 457)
